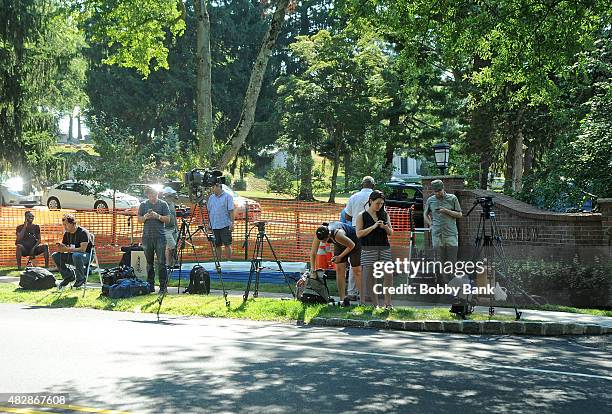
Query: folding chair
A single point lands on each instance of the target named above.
(92, 265)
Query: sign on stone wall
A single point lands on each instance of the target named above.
(516, 233)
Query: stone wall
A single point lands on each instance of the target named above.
(527, 230)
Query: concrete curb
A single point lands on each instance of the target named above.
(471, 327)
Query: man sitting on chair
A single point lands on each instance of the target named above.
(74, 249)
(27, 241)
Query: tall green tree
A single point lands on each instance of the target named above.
(37, 49)
(512, 47)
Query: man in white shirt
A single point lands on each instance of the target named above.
(355, 205)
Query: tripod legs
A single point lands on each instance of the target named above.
(256, 266)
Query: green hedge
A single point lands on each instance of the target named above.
(575, 282)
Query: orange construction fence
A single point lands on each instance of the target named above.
(290, 227)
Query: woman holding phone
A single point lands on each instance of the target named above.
(373, 229)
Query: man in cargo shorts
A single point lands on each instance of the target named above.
(441, 212)
(221, 215)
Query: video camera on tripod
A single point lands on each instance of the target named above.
(198, 179)
(182, 211)
(486, 203)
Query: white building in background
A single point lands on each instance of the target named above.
(279, 158)
(406, 167)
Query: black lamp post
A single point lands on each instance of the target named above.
(441, 152)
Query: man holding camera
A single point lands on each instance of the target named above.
(155, 214)
(441, 212)
(221, 215)
(27, 241)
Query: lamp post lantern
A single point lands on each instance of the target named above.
(441, 152)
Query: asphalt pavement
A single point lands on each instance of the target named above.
(134, 363)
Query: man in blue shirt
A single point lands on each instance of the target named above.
(155, 214)
(221, 215)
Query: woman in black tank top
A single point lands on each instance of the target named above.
(373, 229)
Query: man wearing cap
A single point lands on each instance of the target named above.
(441, 212)
(27, 241)
(155, 214)
(355, 205)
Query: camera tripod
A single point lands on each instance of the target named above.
(489, 245)
(186, 236)
(256, 261)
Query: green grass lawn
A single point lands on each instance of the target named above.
(214, 306)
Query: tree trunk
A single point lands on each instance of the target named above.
(247, 117)
(389, 153)
(528, 162)
(306, 163)
(517, 159)
(233, 166)
(70, 118)
(481, 130)
(204, 83)
(347, 166)
(334, 180)
(394, 120)
(479, 139)
(79, 130)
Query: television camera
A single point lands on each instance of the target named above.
(198, 179)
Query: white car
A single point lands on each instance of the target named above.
(79, 195)
(10, 197)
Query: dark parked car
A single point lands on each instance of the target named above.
(406, 195)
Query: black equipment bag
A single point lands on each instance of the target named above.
(126, 259)
(112, 276)
(312, 288)
(36, 278)
(199, 281)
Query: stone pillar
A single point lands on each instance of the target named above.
(605, 206)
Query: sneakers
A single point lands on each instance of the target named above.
(65, 282)
(78, 284)
(345, 303)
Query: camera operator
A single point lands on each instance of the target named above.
(441, 212)
(155, 214)
(221, 216)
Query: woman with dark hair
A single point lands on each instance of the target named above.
(373, 229)
(346, 248)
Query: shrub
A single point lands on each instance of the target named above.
(240, 185)
(280, 181)
(575, 283)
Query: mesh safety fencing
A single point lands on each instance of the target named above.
(289, 225)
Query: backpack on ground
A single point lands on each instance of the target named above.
(312, 288)
(36, 278)
(126, 288)
(112, 276)
(199, 281)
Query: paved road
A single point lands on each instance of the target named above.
(132, 362)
